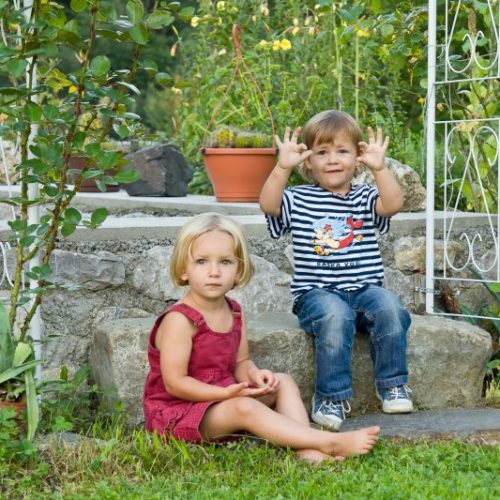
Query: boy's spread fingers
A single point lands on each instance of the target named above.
(277, 140)
(296, 134)
(287, 134)
(371, 136)
(379, 135)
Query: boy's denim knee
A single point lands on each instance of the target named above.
(387, 321)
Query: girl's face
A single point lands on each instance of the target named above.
(212, 268)
(333, 165)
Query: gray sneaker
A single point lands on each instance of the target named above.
(329, 414)
(396, 399)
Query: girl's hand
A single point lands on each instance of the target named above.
(291, 153)
(242, 390)
(265, 378)
(373, 153)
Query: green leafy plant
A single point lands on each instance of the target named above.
(366, 58)
(56, 114)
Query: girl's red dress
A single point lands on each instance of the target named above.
(213, 361)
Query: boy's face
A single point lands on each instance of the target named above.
(332, 165)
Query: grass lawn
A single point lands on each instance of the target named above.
(140, 466)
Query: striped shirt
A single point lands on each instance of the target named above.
(334, 240)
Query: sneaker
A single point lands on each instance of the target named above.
(396, 399)
(329, 414)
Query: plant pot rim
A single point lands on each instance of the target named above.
(239, 151)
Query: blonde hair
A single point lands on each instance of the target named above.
(322, 129)
(201, 224)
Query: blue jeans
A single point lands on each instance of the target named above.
(332, 318)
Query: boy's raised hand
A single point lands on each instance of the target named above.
(291, 153)
(373, 153)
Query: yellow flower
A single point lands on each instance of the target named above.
(276, 45)
(195, 21)
(440, 106)
(413, 60)
(175, 90)
(311, 31)
(295, 21)
(72, 89)
(470, 206)
(264, 10)
(254, 18)
(421, 100)
(262, 44)
(362, 33)
(220, 6)
(222, 52)
(295, 30)
(285, 44)
(307, 21)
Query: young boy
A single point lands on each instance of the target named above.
(338, 269)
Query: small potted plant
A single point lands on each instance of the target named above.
(17, 385)
(238, 163)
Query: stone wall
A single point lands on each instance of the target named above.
(121, 271)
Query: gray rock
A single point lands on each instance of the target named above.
(151, 275)
(163, 170)
(413, 190)
(404, 286)
(118, 359)
(268, 290)
(447, 360)
(92, 272)
(113, 312)
(409, 254)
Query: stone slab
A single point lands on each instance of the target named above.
(432, 423)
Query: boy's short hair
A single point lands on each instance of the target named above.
(322, 129)
(201, 224)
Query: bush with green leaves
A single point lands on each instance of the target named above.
(56, 115)
(365, 57)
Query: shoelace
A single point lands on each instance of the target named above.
(398, 392)
(343, 406)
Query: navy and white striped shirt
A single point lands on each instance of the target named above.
(334, 242)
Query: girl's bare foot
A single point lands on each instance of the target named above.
(316, 456)
(357, 442)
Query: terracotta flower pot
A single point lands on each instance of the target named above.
(89, 185)
(20, 409)
(238, 174)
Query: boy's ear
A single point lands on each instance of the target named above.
(307, 163)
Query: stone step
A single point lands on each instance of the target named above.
(449, 423)
(447, 360)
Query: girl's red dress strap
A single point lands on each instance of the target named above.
(189, 312)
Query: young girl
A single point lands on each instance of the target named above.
(202, 385)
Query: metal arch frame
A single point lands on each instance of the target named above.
(489, 126)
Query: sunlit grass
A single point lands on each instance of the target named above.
(140, 465)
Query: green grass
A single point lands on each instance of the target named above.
(139, 466)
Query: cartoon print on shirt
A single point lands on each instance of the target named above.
(335, 234)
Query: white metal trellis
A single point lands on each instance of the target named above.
(467, 66)
(33, 210)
